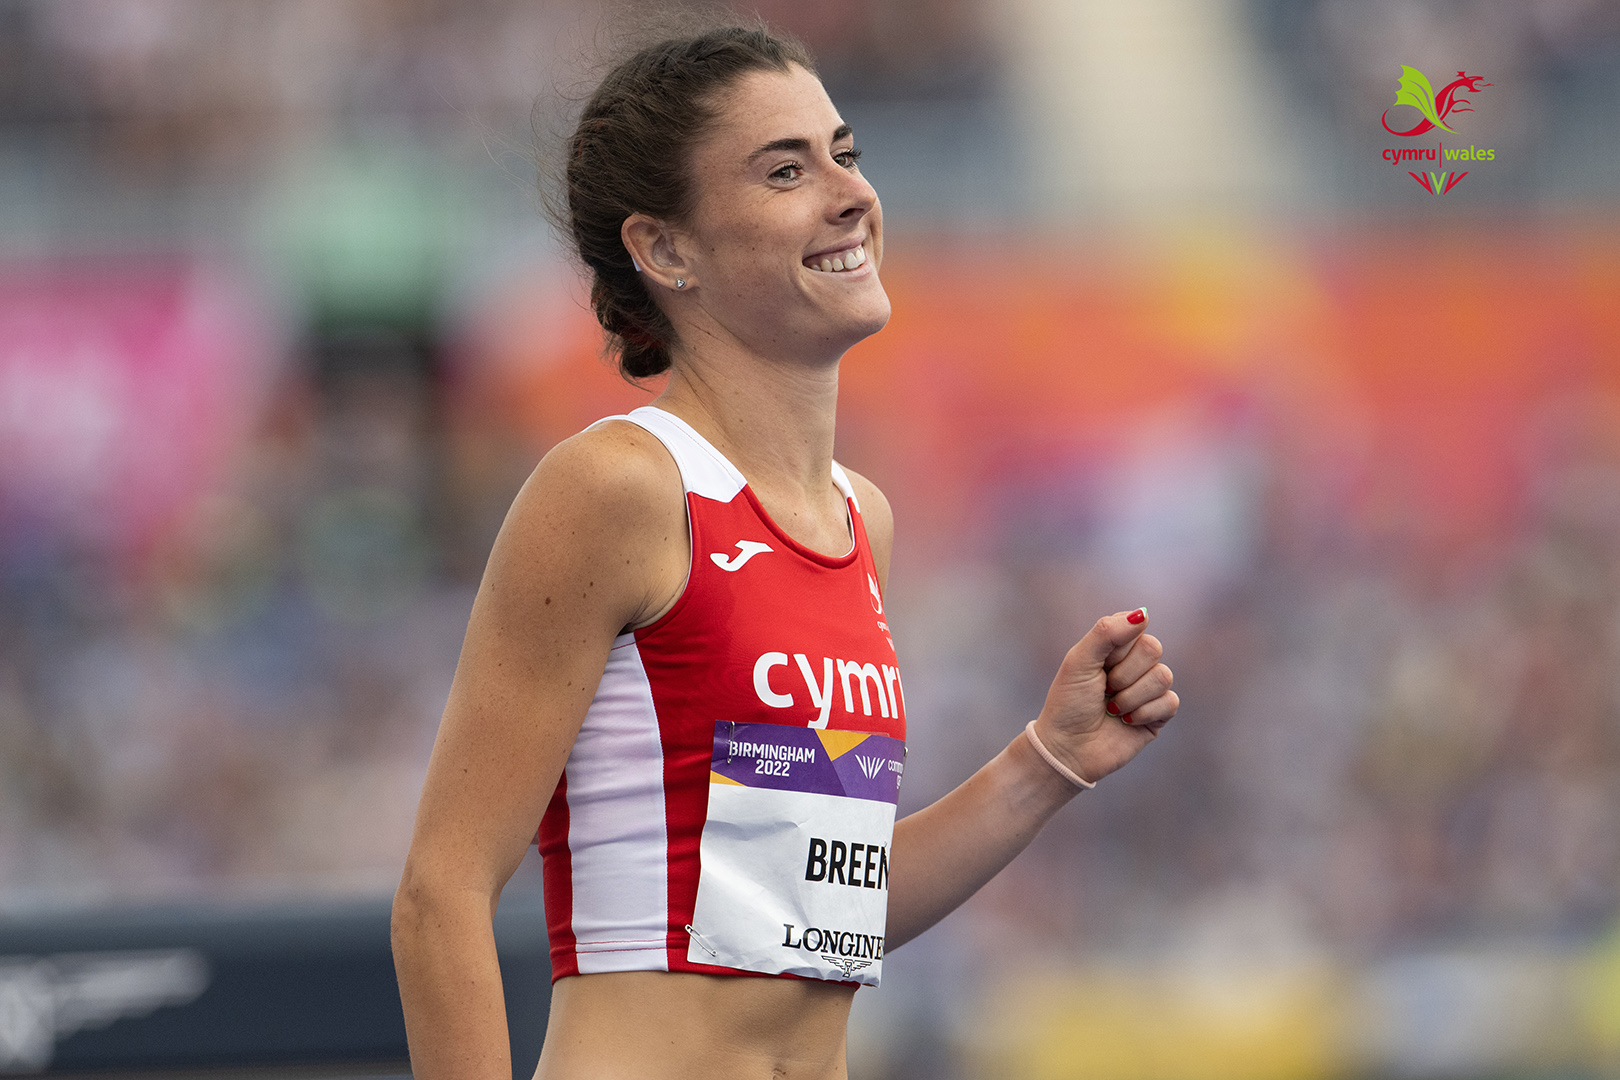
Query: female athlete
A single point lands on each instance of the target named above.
(678, 667)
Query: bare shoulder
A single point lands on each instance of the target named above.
(878, 518)
(617, 467)
(605, 505)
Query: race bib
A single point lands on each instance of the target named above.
(795, 851)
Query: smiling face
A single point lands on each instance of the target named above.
(786, 237)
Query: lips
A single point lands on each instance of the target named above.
(838, 261)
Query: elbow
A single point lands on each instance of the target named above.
(421, 902)
(407, 916)
(433, 900)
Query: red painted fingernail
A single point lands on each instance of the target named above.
(1137, 616)
(1113, 709)
(1126, 718)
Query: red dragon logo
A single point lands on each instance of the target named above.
(1416, 92)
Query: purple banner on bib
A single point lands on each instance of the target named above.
(853, 764)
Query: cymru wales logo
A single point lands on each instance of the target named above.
(1434, 109)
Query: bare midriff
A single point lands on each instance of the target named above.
(656, 1025)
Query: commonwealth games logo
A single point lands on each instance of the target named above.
(1434, 109)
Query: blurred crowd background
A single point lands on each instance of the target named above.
(282, 330)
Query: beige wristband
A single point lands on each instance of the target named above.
(1063, 770)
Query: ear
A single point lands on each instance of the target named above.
(656, 248)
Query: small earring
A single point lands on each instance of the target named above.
(635, 264)
(680, 283)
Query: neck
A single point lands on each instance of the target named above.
(773, 419)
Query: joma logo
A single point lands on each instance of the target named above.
(746, 549)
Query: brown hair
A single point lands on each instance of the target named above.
(629, 155)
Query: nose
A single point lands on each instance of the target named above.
(855, 196)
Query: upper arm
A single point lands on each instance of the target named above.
(878, 519)
(590, 547)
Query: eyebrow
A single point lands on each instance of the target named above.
(797, 146)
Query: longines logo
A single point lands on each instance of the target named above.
(845, 964)
(846, 950)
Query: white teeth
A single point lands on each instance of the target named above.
(849, 260)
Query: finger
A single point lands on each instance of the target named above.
(1106, 643)
(1153, 684)
(1145, 652)
(1154, 714)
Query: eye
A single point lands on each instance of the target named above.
(848, 158)
(790, 171)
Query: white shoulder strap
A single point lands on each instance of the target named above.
(841, 479)
(704, 470)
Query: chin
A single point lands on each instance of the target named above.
(863, 324)
(873, 315)
(878, 321)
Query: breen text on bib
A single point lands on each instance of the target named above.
(795, 851)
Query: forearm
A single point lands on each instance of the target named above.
(450, 984)
(944, 853)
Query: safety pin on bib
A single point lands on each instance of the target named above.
(703, 942)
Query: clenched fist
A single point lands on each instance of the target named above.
(1110, 697)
